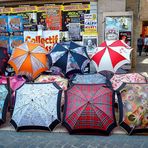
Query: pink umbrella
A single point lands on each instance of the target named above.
(15, 82)
(118, 79)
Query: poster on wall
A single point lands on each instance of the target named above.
(41, 19)
(73, 17)
(4, 42)
(48, 38)
(3, 23)
(127, 34)
(90, 22)
(15, 23)
(15, 41)
(74, 31)
(29, 21)
(112, 33)
(54, 19)
(90, 42)
(116, 24)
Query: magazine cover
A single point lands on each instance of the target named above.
(74, 31)
(15, 23)
(29, 20)
(90, 42)
(4, 42)
(15, 41)
(3, 23)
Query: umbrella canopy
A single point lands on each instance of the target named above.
(37, 106)
(3, 102)
(89, 109)
(62, 82)
(29, 59)
(111, 55)
(69, 56)
(3, 59)
(133, 107)
(118, 79)
(95, 78)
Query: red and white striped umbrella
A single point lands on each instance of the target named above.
(111, 55)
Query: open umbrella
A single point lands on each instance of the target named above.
(69, 56)
(3, 102)
(89, 109)
(94, 78)
(13, 83)
(118, 79)
(37, 106)
(133, 107)
(29, 59)
(111, 55)
(3, 59)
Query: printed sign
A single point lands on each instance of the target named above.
(90, 23)
(48, 38)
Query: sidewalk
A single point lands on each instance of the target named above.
(60, 138)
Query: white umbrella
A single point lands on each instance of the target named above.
(37, 106)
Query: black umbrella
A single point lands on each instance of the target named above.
(70, 57)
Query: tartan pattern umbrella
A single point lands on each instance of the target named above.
(111, 55)
(89, 109)
(133, 107)
(69, 56)
(3, 102)
(37, 106)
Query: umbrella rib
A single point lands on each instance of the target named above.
(99, 117)
(80, 114)
(76, 110)
(78, 96)
(103, 112)
(43, 108)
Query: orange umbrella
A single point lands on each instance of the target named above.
(29, 59)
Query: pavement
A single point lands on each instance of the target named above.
(60, 137)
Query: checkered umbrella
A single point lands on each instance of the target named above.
(89, 109)
(3, 102)
(37, 106)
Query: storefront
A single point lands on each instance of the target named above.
(48, 23)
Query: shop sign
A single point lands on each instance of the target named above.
(76, 7)
(48, 38)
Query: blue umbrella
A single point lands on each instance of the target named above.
(70, 57)
(3, 102)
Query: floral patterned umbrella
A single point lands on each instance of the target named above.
(118, 79)
(3, 102)
(133, 107)
(37, 106)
